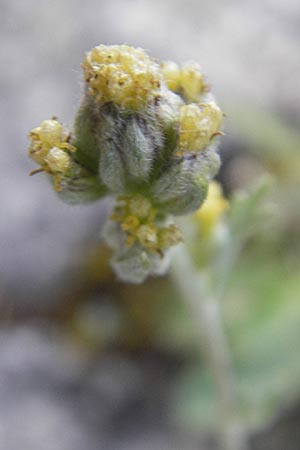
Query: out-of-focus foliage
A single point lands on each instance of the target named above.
(260, 300)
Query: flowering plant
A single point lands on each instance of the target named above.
(145, 132)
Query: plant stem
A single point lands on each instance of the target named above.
(205, 311)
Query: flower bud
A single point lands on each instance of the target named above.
(198, 124)
(147, 237)
(47, 135)
(169, 236)
(133, 263)
(58, 161)
(140, 206)
(183, 186)
(171, 73)
(192, 81)
(187, 81)
(50, 132)
(50, 148)
(142, 225)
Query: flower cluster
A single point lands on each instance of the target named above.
(187, 81)
(144, 132)
(50, 149)
(121, 74)
(138, 219)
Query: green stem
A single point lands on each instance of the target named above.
(205, 311)
(225, 264)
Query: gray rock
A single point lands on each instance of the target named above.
(39, 377)
(54, 397)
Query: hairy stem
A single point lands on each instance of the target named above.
(205, 311)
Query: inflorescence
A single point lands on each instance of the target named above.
(146, 133)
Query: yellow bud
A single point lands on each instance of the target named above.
(130, 224)
(147, 236)
(171, 73)
(169, 236)
(139, 206)
(136, 216)
(58, 161)
(197, 126)
(50, 132)
(37, 151)
(192, 81)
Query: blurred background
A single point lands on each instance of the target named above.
(87, 362)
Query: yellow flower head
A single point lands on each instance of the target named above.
(121, 74)
(47, 135)
(169, 236)
(49, 148)
(198, 124)
(192, 81)
(147, 236)
(171, 73)
(187, 80)
(137, 219)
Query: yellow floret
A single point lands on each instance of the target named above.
(49, 148)
(192, 81)
(121, 74)
(58, 164)
(171, 73)
(50, 132)
(188, 81)
(130, 224)
(213, 208)
(47, 135)
(147, 236)
(197, 126)
(169, 236)
(58, 161)
(137, 219)
(139, 206)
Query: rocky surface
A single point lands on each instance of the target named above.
(52, 397)
(55, 396)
